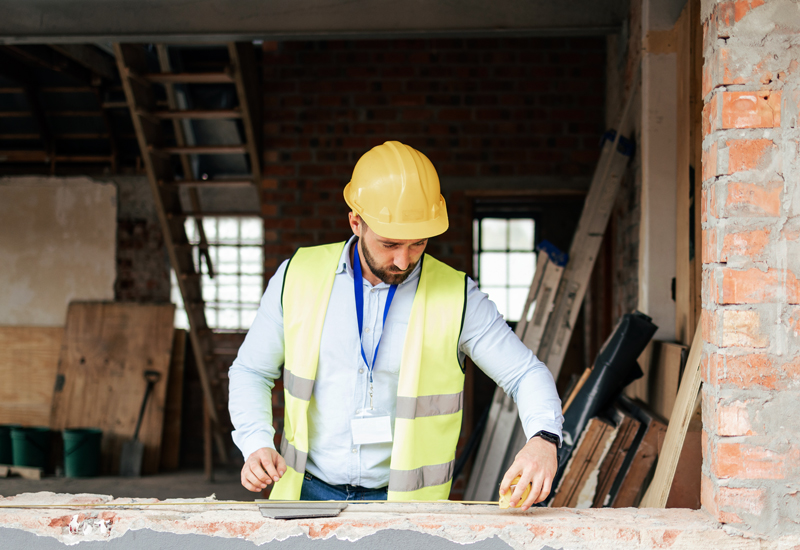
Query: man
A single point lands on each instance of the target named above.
(372, 335)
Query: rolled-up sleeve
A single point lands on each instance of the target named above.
(496, 350)
(254, 371)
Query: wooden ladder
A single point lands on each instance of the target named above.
(159, 141)
(557, 294)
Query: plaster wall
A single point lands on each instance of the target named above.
(57, 244)
(657, 249)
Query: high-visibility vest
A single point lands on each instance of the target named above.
(430, 392)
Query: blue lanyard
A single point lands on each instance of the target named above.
(359, 292)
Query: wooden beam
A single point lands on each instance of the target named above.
(209, 183)
(201, 149)
(90, 57)
(683, 274)
(198, 114)
(48, 58)
(189, 78)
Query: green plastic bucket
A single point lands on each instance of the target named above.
(82, 452)
(30, 446)
(6, 453)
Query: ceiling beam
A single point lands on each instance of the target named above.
(82, 21)
(91, 58)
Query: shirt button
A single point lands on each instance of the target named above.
(366, 329)
(355, 450)
(360, 371)
(373, 290)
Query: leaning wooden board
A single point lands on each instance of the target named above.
(28, 363)
(100, 381)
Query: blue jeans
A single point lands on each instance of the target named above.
(316, 489)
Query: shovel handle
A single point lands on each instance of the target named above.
(152, 377)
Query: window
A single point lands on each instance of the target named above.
(504, 261)
(237, 256)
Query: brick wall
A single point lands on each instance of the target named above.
(751, 247)
(483, 108)
(142, 262)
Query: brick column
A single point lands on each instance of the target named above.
(751, 261)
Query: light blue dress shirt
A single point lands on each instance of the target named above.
(342, 381)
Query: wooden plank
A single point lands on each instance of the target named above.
(632, 486)
(201, 150)
(28, 365)
(190, 78)
(611, 466)
(581, 382)
(89, 57)
(25, 472)
(196, 114)
(171, 435)
(107, 348)
(582, 467)
(665, 376)
(658, 491)
(685, 491)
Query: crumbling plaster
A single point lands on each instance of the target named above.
(175, 524)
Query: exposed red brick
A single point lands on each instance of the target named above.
(748, 199)
(742, 461)
(754, 370)
(711, 116)
(733, 420)
(748, 154)
(710, 254)
(749, 110)
(710, 162)
(741, 328)
(754, 286)
(742, 7)
(744, 243)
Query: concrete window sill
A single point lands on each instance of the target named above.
(176, 524)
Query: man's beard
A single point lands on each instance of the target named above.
(383, 274)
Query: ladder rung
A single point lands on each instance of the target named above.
(198, 114)
(207, 214)
(115, 105)
(208, 183)
(201, 149)
(190, 78)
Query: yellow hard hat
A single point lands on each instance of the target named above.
(395, 190)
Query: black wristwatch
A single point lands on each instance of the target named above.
(547, 436)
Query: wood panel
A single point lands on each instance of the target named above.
(612, 463)
(28, 364)
(685, 405)
(583, 466)
(171, 435)
(107, 348)
(665, 376)
(632, 487)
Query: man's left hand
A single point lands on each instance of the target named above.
(536, 464)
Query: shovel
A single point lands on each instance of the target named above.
(130, 462)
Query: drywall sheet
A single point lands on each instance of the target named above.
(28, 363)
(57, 244)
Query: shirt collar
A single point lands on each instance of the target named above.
(345, 265)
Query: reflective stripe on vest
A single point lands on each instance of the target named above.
(430, 386)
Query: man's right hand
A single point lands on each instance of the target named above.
(262, 468)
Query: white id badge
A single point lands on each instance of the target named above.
(371, 426)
